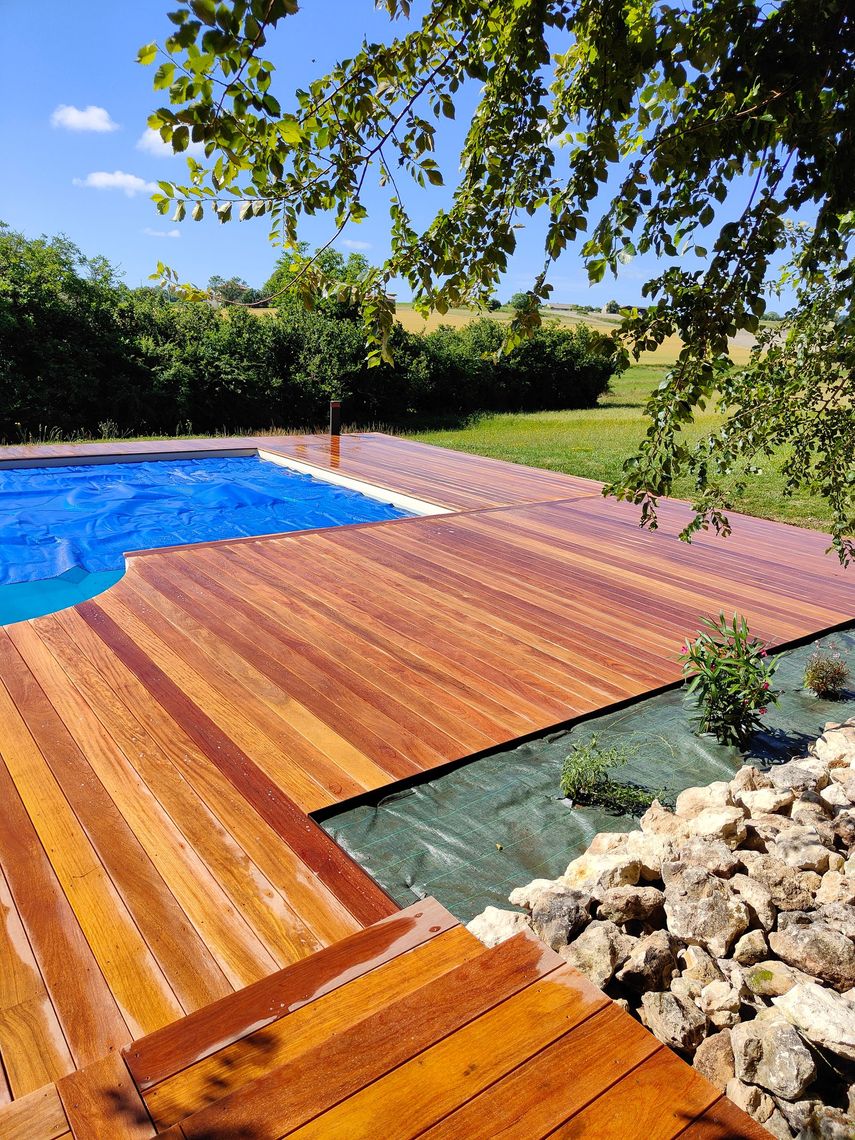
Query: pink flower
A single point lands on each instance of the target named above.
(762, 712)
(765, 684)
(684, 649)
(762, 652)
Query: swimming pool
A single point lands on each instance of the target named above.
(64, 530)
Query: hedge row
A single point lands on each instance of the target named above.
(82, 354)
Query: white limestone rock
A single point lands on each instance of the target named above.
(766, 801)
(679, 1024)
(494, 925)
(599, 951)
(725, 823)
(597, 873)
(751, 948)
(822, 1016)
(692, 801)
(802, 848)
(702, 909)
(721, 1003)
(772, 1054)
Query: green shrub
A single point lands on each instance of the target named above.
(78, 349)
(731, 674)
(826, 674)
(586, 779)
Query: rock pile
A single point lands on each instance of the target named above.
(728, 928)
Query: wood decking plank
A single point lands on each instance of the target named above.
(326, 757)
(286, 1038)
(37, 1116)
(502, 594)
(225, 947)
(102, 1101)
(32, 1045)
(411, 1097)
(360, 711)
(638, 1106)
(724, 1121)
(425, 702)
(540, 1093)
(228, 704)
(86, 1007)
(436, 631)
(120, 694)
(164, 926)
(336, 752)
(335, 1070)
(173, 1048)
(474, 631)
(365, 900)
(226, 864)
(33, 1048)
(141, 988)
(404, 640)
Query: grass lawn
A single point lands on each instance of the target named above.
(595, 442)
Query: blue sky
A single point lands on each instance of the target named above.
(73, 120)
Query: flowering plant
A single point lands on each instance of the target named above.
(731, 673)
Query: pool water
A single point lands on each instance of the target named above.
(64, 530)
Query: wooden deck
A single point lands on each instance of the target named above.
(163, 744)
(410, 1028)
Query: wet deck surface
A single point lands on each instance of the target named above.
(163, 744)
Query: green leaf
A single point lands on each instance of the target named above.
(206, 10)
(147, 54)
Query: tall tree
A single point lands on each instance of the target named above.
(660, 110)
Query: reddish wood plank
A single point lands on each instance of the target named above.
(87, 1010)
(654, 1102)
(410, 1098)
(724, 1121)
(366, 901)
(102, 1101)
(192, 974)
(336, 1070)
(287, 1038)
(158, 1056)
(540, 1093)
(122, 700)
(37, 1116)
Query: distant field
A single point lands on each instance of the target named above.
(665, 354)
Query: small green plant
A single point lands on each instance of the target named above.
(585, 779)
(826, 674)
(731, 673)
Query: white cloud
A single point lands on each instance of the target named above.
(161, 233)
(360, 245)
(130, 184)
(151, 143)
(86, 119)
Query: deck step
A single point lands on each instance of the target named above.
(408, 1028)
(182, 1043)
(449, 1040)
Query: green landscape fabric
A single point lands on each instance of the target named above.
(471, 835)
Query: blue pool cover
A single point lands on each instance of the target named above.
(59, 525)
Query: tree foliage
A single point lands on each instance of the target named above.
(660, 111)
(81, 354)
(232, 291)
(330, 263)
